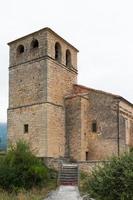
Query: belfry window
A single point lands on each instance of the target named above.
(20, 49)
(94, 127)
(34, 44)
(68, 58)
(58, 52)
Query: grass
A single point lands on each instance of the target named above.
(34, 194)
(39, 194)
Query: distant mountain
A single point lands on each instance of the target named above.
(3, 136)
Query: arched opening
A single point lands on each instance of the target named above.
(68, 58)
(58, 52)
(20, 49)
(34, 44)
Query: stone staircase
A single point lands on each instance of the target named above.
(68, 175)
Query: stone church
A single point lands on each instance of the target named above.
(58, 117)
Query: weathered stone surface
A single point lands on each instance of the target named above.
(43, 94)
(37, 86)
(107, 110)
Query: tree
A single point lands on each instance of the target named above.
(21, 169)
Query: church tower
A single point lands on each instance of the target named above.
(42, 71)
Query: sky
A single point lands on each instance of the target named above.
(102, 30)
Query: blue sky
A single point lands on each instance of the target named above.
(101, 30)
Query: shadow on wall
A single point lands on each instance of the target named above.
(3, 136)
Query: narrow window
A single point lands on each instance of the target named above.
(87, 155)
(94, 127)
(58, 52)
(34, 44)
(68, 58)
(26, 128)
(20, 49)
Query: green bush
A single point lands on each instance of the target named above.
(113, 180)
(21, 169)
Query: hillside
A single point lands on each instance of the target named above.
(3, 136)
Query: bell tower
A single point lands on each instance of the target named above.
(42, 71)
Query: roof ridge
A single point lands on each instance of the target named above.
(103, 92)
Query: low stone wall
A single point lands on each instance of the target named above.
(88, 166)
(85, 166)
(53, 163)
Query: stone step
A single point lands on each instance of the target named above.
(65, 177)
(69, 167)
(69, 170)
(68, 174)
(64, 172)
(69, 183)
(68, 178)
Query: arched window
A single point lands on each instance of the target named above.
(94, 127)
(34, 44)
(57, 52)
(68, 58)
(20, 49)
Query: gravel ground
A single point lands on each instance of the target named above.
(65, 193)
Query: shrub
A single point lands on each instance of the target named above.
(21, 169)
(113, 180)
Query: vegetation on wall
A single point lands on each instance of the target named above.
(113, 180)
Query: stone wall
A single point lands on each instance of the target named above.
(53, 163)
(131, 134)
(43, 94)
(36, 118)
(73, 127)
(103, 109)
(110, 136)
(29, 54)
(52, 39)
(88, 166)
(126, 111)
(37, 86)
(55, 131)
(84, 166)
(60, 82)
(28, 84)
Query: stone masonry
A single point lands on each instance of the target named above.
(37, 86)
(55, 115)
(108, 112)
